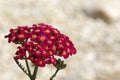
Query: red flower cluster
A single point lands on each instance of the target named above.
(41, 44)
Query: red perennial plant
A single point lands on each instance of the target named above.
(41, 44)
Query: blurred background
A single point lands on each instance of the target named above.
(92, 25)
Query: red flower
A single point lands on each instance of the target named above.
(41, 43)
(18, 34)
(33, 37)
(20, 54)
(40, 62)
(21, 37)
(41, 38)
(53, 60)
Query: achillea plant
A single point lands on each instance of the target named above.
(41, 44)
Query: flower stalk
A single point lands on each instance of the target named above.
(59, 65)
(35, 72)
(51, 78)
(27, 65)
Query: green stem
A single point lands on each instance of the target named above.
(35, 72)
(51, 78)
(26, 61)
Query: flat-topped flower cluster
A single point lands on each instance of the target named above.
(40, 43)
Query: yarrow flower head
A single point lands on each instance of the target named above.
(40, 44)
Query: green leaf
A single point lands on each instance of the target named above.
(21, 66)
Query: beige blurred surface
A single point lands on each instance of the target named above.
(93, 26)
